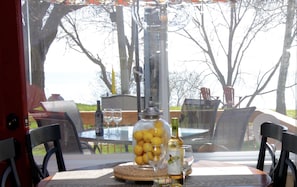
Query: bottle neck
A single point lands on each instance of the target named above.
(174, 130)
(98, 105)
(174, 125)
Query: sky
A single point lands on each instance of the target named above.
(73, 76)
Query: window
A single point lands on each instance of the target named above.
(85, 52)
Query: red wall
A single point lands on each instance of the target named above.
(12, 83)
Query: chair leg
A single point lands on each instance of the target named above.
(96, 146)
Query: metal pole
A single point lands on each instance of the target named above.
(137, 71)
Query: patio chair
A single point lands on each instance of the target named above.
(229, 97)
(72, 111)
(269, 132)
(205, 93)
(196, 113)
(70, 142)
(288, 152)
(49, 136)
(8, 153)
(229, 130)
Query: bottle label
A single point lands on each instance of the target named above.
(99, 123)
(174, 161)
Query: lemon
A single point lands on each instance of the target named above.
(139, 160)
(147, 147)
(138, 150)
(137, 135)
(140, 142)
(145, 159)
(147, 136)
(158, 124)
(156, 140)
(156, 151)
(158, 131)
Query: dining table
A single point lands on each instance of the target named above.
(204, 173)
(125, 135)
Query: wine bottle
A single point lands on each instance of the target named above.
(175, 155)
(99, 120)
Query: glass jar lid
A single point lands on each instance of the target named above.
(151, 112)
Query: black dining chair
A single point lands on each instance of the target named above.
(8, 153)
(50, 137)
(269, 132)
(289, 145)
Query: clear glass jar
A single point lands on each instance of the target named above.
(151, 129)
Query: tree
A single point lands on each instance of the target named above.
(183, 85)
(73, 26)
(290, 34)
(224, 32)
(44, 19)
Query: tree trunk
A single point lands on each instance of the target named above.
(42, 33)
(285, 60)
(125, 74)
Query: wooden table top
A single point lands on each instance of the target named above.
(204, 173)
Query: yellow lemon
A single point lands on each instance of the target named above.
(158, 131)
(156, 140)
(148, 156)
(147, 136)
(145, 158)
(156, 151)
(147, 147)
(158, 124)
(151, 130)
(138, 150)
(140, 142)
(139, 160)
(137, 135)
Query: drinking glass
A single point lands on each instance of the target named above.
(188, 160)
(117, 118)
(155, 159)
(107, 116)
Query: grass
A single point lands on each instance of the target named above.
(292, 114)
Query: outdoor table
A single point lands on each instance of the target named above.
(125, 136)
(205, 173)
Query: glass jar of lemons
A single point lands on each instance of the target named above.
(150, 130)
